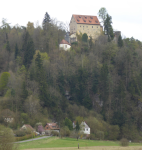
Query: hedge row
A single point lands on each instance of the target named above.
(28, 136)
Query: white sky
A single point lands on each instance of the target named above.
(126, 14)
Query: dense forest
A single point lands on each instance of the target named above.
(97, 81)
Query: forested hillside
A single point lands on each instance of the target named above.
(40, 83)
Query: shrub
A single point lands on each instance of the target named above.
(7, 139)
(100, 135)
(55, 133)
(65, 131)
(124, 142)
(113, 132)
(20, 133)
(92, 137)
(29, 136)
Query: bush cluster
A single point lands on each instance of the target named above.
(54, 133)
(124, 142)
(28, 136)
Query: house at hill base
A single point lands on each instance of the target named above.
(64, 45)
(85, 24)
(84, 127)
(27, 127)
(49, 127)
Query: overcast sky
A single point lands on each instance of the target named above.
(126, 14)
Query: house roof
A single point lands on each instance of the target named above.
(86, 19)
(52, 126)
(64, 42)
(84, 124)
(28, 127)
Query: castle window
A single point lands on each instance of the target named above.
(80, 26)
(92, 26)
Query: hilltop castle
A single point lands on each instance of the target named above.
(84, 24)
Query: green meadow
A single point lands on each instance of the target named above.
(54, 142)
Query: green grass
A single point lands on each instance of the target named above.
(68, 142)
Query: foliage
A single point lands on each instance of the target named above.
(108, 27)
(100, 82)
(124, 142)
(7, 139)
(65, 132)
(40, 129)
(26, 137)
(4, 80)
(55, 133)
(68, 123)
(102, 14)
(84, 37)
(120, 41)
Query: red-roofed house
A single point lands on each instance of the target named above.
(64, 45)
(52, 127)
(85, 24)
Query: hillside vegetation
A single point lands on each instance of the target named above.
(99, 81)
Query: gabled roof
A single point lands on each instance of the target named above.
(86, 19)
(64, 42)
(52, 126)
(27, 127)
(84, 124)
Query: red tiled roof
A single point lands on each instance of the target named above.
(64, 42)
(85, 19)
(51, 126)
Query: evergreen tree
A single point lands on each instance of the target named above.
(77, 128)
(41, 79)
(46, 20)
(84, 37)
(29, 51)
(16, 51)
(108, 28)
(68, 123)
(8, 46)
(120, 41)
(24, 94)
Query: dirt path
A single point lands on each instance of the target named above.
(92, 148)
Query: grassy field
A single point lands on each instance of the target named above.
(70, 144)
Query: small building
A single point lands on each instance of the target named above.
(84, 127)
(64, 45)
(52, 127)
(27, 127)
